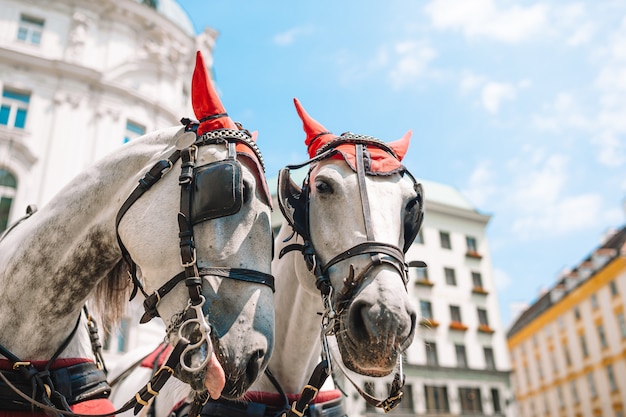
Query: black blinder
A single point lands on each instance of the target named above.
(217, 191)
(413, 216)
(293, 202)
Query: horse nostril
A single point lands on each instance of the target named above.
(360, 324)
(254, 365)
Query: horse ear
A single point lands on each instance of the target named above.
(255, 135)
(205, 100)
(400, 146)
(314, 130)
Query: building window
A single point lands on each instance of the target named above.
(574, 392)
(611, 377)
(577, 313)
(555, 365)
(436, 399)
(477, 280)
(490, 362)
(621, 321)
(30, 29)
(8, 186)
(495, 399)
(426, 308)
(421, 273)
(455, 314)
(472, 247)
(407, 398)
(431, 354)
(445, 240)
(482, 317)
(559, 394)
(470, 400)
(461, 356)
(568, 358)
(471, 244)
(602, 336)
(450, 276)
(14, 108)
(133, 130)
(594, 301)
(561, 323)
(592, 385)
(117, 339)
(583, 346)
(613, 287)
(419, 238)
(371, 390)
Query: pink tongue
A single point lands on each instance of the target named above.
(215, 378)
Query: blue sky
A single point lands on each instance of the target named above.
(520, 105)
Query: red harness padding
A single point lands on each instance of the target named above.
(97, 406)
(157, 358)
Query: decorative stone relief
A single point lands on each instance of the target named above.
(77, 36)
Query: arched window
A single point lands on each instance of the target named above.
(8, 185)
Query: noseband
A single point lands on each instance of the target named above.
(294, 206)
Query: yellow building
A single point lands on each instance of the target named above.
(568, 350)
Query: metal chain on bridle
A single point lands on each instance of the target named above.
(380, 253)
(193, 318)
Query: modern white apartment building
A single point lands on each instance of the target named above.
(79, 78)
(458, 363)
(568, 349)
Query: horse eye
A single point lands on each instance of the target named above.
(246, 192)
(323, 187)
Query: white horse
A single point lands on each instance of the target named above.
(128, 214)
(356, 214)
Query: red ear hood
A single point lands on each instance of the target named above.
(316, 134)
(206, 103)
(378, 160)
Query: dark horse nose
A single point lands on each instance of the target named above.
(377, 322)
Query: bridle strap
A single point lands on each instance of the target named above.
(145, 183)
(365, 204)
(241, 274)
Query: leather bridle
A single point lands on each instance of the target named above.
(193, 316)
(380, 253)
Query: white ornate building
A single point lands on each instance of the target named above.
(79, 78)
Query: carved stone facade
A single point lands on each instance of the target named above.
(76, 73)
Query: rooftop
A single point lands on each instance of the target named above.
(612, 247)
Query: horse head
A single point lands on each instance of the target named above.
(357, 211)
(201, 245)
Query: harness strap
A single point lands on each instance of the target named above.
(40, 381)
(148, 180)
(310, 390)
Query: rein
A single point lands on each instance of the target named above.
(380, 253)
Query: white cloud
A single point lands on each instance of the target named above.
(568, 214)
(483, 18)
(289, 37)
(493, 93)
(481, 185)
(410, 61)
(470, 82)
